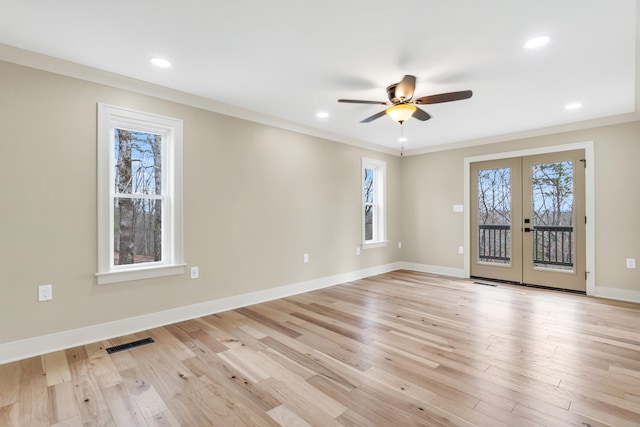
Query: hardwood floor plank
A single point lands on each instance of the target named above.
(287, 418)
(34, 402)
(252, 313)
(171, 342)
(251, 371)
(288, 363)
(542, 413)
(605, 413)
(472, 416)
(185, 410)
(398, 349)
(10, 415)
(400, 385)
(57, 368)
(375, 404)
(62, 402)
(309, 366)
(75, 422)
(306, 409)
(506, 417)
(124, 409)
(394, 351)
(10, 383)
(206, 340)
(165, 419)
(88, 394)
(143, 394)
(220, 411)
(228, 383)
(298, 385)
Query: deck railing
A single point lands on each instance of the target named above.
(553, 245)
(494, 243)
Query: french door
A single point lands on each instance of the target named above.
(528, 220)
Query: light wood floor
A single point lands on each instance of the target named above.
(399, 349)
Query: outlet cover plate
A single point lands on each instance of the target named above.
(45, 292)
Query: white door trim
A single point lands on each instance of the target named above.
(590, 206)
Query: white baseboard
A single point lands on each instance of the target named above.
(18, 350)
(433, 269)
(617, 294)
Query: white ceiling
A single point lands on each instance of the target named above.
(290, 59)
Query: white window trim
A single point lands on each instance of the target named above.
(109, 118)
(380, 186)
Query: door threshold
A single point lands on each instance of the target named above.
(528, 285)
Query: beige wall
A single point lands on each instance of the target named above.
(255, 199)
(432, 183)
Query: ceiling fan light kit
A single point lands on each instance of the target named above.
(401, 112)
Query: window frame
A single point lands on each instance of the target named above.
(171, 130)
(379, 216)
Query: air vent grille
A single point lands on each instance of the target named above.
(127, 346)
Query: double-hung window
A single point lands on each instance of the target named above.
(373, 207)
(139, 195)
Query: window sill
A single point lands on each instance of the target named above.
(140, 273)
(376, 244)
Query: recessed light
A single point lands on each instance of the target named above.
(402, 139)
(322, 115)
(161, 62)
(537, 42)
(573, 106)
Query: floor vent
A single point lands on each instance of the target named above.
(129, 345)
(485, 284)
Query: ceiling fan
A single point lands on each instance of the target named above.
(401, 104)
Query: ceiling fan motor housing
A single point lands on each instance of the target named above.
(391, 93)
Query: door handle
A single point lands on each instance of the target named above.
(527, 230)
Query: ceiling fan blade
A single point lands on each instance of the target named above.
(404, 89)
(421, 115)
(359, 101)
(375, 116)
(444, 97)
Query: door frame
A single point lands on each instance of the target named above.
(588, 147)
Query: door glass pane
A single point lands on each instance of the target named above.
(494, 216)
(553, 236)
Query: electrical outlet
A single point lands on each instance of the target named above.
(195, 273)
(631, 263)
(305, 258)
(358, 250)
(45, 292)
(399, 245)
